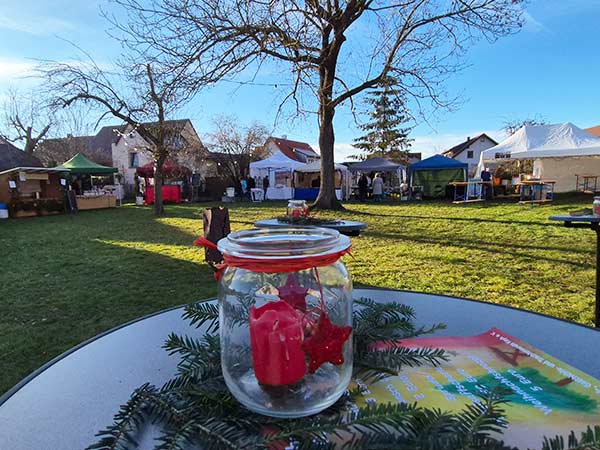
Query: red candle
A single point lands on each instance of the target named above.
(276, 340)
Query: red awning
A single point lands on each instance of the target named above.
(170, 170)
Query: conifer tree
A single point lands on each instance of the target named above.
(385, 134)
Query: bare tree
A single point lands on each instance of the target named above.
(234, 147)
(334, 49)
(71, 134)
(511, 126)
(142, 95)
(27, 119)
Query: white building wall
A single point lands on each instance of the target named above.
(121, 156)
(563, 170)
(477, 147)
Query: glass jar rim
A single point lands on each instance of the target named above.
(283, 243)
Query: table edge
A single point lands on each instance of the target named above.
(12, 391)
(590, 219)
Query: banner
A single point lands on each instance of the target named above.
(548, 396)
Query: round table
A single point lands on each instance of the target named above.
(347, 227)
(64, 403)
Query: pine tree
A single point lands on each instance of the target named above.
(384, 134)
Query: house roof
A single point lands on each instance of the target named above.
(11, 157)
(594, 130)
(292, 149)
(458, 149)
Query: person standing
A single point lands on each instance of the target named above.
(378, 188)
(363, 186)
(251, 185)
(486, 177)
(265, 185)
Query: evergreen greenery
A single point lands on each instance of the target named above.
(196, 408)
(385, 135)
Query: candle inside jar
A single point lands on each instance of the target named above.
(276, 343)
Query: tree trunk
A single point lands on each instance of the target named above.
(158, 184)
(326, 198)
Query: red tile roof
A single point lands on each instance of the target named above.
(288, 148)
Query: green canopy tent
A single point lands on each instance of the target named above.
(80, 165)
(435, 173)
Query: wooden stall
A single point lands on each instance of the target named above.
(33, 191)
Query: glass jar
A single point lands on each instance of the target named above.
(285, 319)
(596, 206)
(296, 209)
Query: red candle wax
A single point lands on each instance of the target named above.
(276, 341)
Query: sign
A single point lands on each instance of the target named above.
(22, 176)
(63, 182)
(12, 184)
(37, 176)
(548, 397)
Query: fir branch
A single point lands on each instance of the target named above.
(369, 419)
(376, 365)
(200, 313)
(589, 440)
(130, 417)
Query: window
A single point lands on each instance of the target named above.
(469, 154)
(134, 160)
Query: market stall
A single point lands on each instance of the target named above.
(307, 180)
(279, 169)
(559, 152)
(432, 175)
(33, 191)
(92, 182)
(393, 173)
(174, 176)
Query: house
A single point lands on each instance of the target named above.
(470, 151)
(594, 130)
(122, 147)
(298, 151)
(130, 150)
(11, 157)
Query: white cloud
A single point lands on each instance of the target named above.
(15, 69)
(40, 25)
(532, 24)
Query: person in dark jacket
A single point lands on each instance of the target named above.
(266, 185)
(363, 186)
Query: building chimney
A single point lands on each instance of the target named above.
(468, 138)
(69, 135)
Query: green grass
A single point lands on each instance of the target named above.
(64, 279)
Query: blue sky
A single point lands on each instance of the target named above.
(550, 68)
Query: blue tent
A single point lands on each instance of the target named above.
(435, 173)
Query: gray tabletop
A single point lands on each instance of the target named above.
(343, 226)
(66, 403)
(590, 219)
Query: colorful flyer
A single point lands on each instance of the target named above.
(548, 396)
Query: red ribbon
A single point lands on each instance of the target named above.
(272, 265)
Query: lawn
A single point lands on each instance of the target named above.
(64, 279)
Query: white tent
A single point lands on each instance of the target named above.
(277, 167)
(346, 178)
(559, 152)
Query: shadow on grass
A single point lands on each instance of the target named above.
(489, 247)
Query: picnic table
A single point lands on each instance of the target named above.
(347, 227)
(532, 191)
(592, 223)
(475, 186)
(586, 183)
(66, 402)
